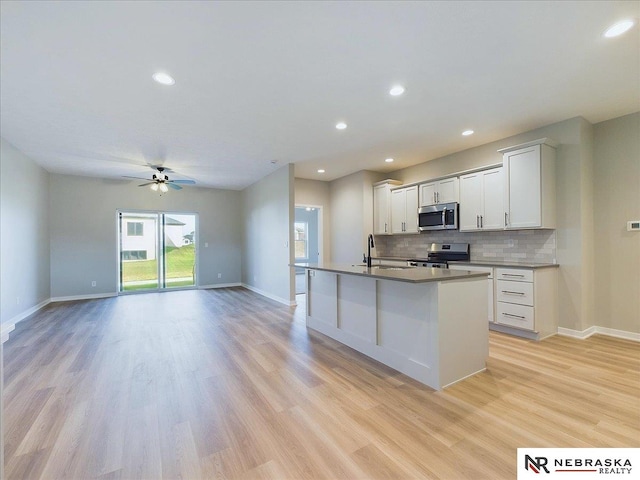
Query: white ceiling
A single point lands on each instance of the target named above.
(264, 81)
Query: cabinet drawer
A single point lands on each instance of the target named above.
(520, 316)
(515, 292)
(515, 274)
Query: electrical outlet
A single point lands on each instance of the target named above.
(206, 244)
(17, 300)
(93, 283)
(219, 275)
(255, 278)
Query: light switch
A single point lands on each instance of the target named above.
(206, 244)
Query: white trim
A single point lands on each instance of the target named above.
(610, 332)
(288, 303)
(219, 285)
(9, 326)
(5, 330)
(83, 297)
(567, 332)
(532, 143)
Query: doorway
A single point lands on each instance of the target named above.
(156, 251)
(308, 240)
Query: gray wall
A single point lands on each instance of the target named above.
(267, 245)
(83, 231)
(24, 245)
(617, 194)
(351, 215)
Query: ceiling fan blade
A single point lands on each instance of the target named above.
(137, 178)
(174, 186)
(183, 182)
(145, 184)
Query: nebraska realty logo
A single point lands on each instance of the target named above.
(578, 463)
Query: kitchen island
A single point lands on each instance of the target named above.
(428, 323)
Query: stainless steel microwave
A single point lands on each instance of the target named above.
(443, 216)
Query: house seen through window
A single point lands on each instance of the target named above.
(134, 229)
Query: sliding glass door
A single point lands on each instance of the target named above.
(157, 251)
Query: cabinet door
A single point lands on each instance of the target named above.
(470, 201)
(381, 210)
(448, 191)
(398, 208)
(523, 182)
(493, 193)
(427, 194)
(411, 211)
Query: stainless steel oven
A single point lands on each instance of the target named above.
(443, 216)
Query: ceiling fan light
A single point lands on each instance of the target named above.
(164, 188)
(154, 187)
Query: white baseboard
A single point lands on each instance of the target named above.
(219, 285)
(9, 326)
(611, 332)
(288, 303)
(5, 330)
(83, 297)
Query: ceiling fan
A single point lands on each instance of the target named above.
(160, 180)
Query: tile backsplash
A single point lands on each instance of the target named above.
(526, 246)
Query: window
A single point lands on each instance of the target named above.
(134, 229)
(134, 254)
(301, 229)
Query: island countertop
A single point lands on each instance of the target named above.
(400, 274)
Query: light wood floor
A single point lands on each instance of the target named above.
(226, 384)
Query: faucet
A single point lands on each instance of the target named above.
(370, 245)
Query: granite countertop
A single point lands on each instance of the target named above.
(505, 264)
(408, 274)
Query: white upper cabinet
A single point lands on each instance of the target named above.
(404, 210)
(382, 207)
(481, 206)
(529, 187)
(441, 191)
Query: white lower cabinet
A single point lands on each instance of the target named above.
(526, 300)
(522, 301)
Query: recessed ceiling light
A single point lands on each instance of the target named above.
(388, 160)
(163, 78)
(396, 90)
(341, 126)
(619, 28)
(466, 133)
(321, 170)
